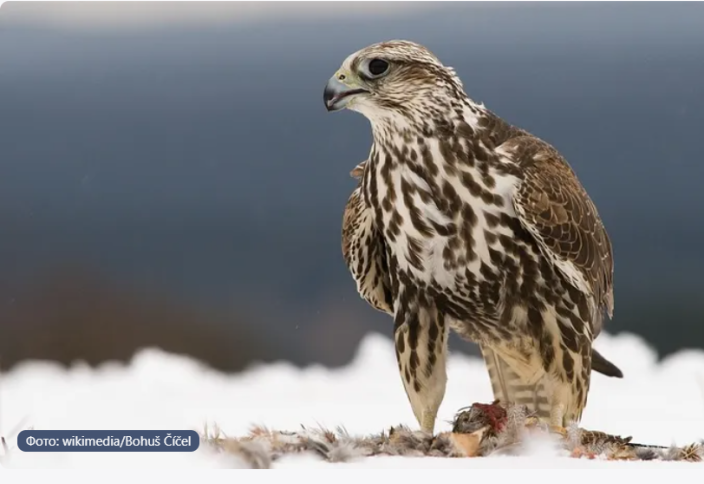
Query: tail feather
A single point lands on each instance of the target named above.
(602, 365)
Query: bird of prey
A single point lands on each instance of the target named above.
(463, 221)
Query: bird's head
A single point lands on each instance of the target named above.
(390, 78)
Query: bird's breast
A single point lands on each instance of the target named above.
(442, 223)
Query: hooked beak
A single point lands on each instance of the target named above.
(338, 93)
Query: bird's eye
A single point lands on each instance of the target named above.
(377, 67)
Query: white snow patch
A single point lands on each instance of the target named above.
(656, 403)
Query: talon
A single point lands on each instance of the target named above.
(558, 430)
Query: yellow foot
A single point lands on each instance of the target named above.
(558, 430)
(427, 423)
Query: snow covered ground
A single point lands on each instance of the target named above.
(656, 403)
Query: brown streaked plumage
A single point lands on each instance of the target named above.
(462, 221)
(364, 252)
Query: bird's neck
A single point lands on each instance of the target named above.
(436, 145)
(416, 119)
(395, 132)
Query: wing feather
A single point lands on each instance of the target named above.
(555, 208)
(364, 251)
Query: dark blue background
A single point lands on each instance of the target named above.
(183, 186)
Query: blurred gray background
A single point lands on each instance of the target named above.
(169, 176)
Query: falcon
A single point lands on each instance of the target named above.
(464, 222)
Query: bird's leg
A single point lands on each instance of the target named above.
(421, 347)
(569, 389)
